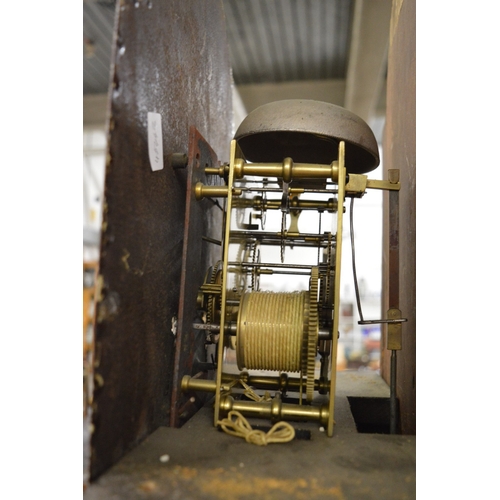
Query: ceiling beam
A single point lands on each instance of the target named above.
(368, 58)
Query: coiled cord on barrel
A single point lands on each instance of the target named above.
(271, 331)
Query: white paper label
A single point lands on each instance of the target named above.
(155, 141)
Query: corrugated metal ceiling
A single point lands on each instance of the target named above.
(288, 40)
(98, 23)
(269, 40)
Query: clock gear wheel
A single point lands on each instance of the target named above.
(311, 337)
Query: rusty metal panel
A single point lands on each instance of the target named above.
(203, 220)
(169, 58)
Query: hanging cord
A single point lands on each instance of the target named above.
(251, 394)
(354, 260)
(248, 392)
(281, 432)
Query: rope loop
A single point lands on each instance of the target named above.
(237, 425)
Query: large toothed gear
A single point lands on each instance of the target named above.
(213, 301)
(312, 334)
(326, 286)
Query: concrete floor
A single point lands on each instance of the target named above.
(198, 462)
